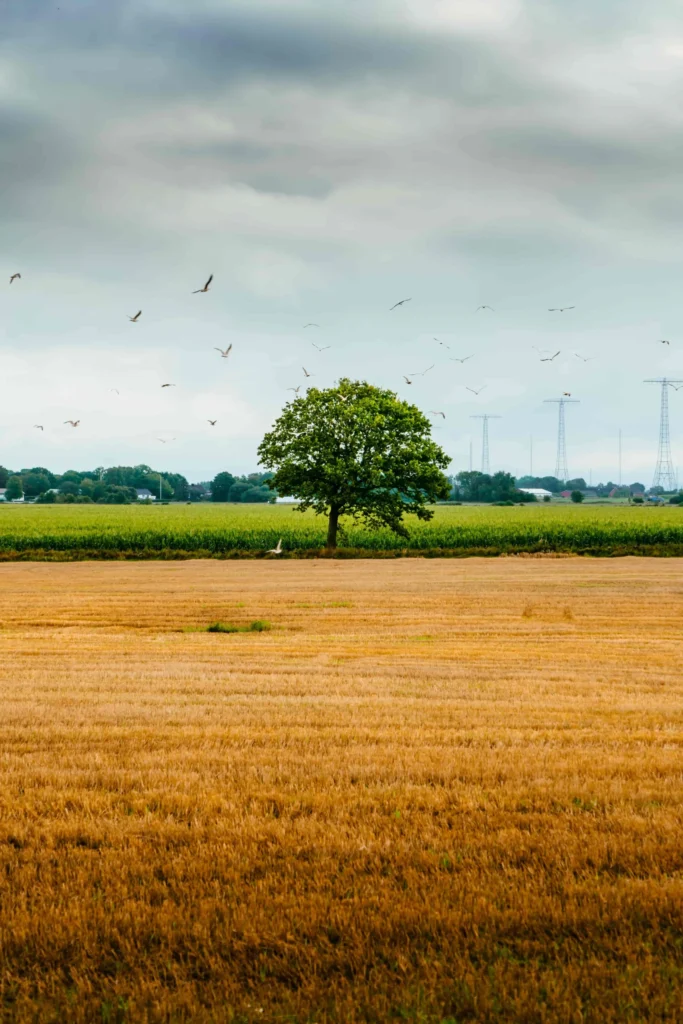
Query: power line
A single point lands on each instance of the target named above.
(664, 470)
(485, 463)
(561, 471)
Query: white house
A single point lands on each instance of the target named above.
(2, 494)
(538, 492)
(144, 494)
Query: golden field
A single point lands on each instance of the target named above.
(435, 790)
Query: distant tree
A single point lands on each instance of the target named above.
(35, 483)
(356, 450)
(47, 498)
(546, 483)
(579, 484)
(69, 487)
(14, 488)
(577, 497)
(637, 488)
(197, 492)
(5, 474)
(221, 486)
(475, 486)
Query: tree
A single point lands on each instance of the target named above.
(577, 497)
(5, 474)
(14, 489)
(35, 484)
(221, 486)
(356, 450)
(475, 486)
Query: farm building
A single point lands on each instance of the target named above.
(538, 492)
(144, 494)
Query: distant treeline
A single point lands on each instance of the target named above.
(119, 485)
(497, 487)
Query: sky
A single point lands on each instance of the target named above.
(324, 161)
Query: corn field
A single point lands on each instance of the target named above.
(177, 531)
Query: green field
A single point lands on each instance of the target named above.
(181, 531)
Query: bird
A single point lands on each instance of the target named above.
(205, 288)
(212, 422)
(454, 359)
(306, 373)
(311, 325)
(485, 307)
(14, 277)
(476, 392)
(549, 359)
(165, 440)
(422, 372)
(38, 426)
(115, 390)
(407, 379)
(168, 385)
(401, 303)
(663, 341)
(560, 309)
(443, 343)
(295, 390)
(134, 319)
(277, 550)
(584, 359)
(435, 412)
(323, 349)
(74, 423)
(567, 394)
(225, 352)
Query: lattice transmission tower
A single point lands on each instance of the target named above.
(485, 462)
(664, 469)
(561, 471)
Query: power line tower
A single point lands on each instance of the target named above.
(561, 471)
(664, 470)
(485, 464)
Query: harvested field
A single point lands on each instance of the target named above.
(434, 791)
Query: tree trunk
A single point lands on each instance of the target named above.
(332, 526)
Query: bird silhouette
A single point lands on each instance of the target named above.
(567, 394)
(168, 385)
(485, 307)
(212, 422)
(663, 341)
(435, 412)
(475, 392)
(311, 325)
(560, 309)
(306, 373)
(14, 278)
(295, 390)
(324, 348)
(134, 319)
(205, 288)
(407, 379)
(166, 440)
(454, 359)
(277, 550)
(549, 359)
(584, 359)
(115, 390)
(225, 352)
(401, 303)
(38, 426)
(442, 343)
(73, 423)
(422, 372)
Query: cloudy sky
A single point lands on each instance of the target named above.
(324, 160)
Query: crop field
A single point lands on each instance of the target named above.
(435, 790)
(68, 532)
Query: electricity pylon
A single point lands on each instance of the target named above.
(561, 471)
(664, 470)
(485, 464)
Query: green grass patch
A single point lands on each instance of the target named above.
(257, 626)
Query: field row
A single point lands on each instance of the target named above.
(179, 531)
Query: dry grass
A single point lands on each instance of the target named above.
(434, 791)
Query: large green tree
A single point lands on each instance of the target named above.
(359, 451)
(15, 488)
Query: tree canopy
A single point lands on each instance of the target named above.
(356, 450)
(474, 486)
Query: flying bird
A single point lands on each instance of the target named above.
(205, 288)
(134, 319)
(485, 307)
(476, 392)
(323, 349)
(115, 390)
(311, 325)
(560, 309)
(407, 379)
(277, 550)
(74, 423)
(306, 373)
(435, 412)
(584, 359)
(212, 422)
(454, 359)
(225, 352)
(442, 343)
(166, 440)
(38, 426)
(401, 303)
(567, 394)
(295, 390)
(549, 359)
(663, 341)
(14, 277)
(422, 373)
(168, 385)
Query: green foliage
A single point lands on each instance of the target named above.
(14, 488)
(577, 497)
(481, 487)
(356, 450)
(5, 474)
(258, 626)
(249, 489)
(221, 486)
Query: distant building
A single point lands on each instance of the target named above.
(565, 494)
(286, 501)
(538, 492)
(144, 494)
(2, 494)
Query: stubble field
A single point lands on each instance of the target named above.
(435, 790)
